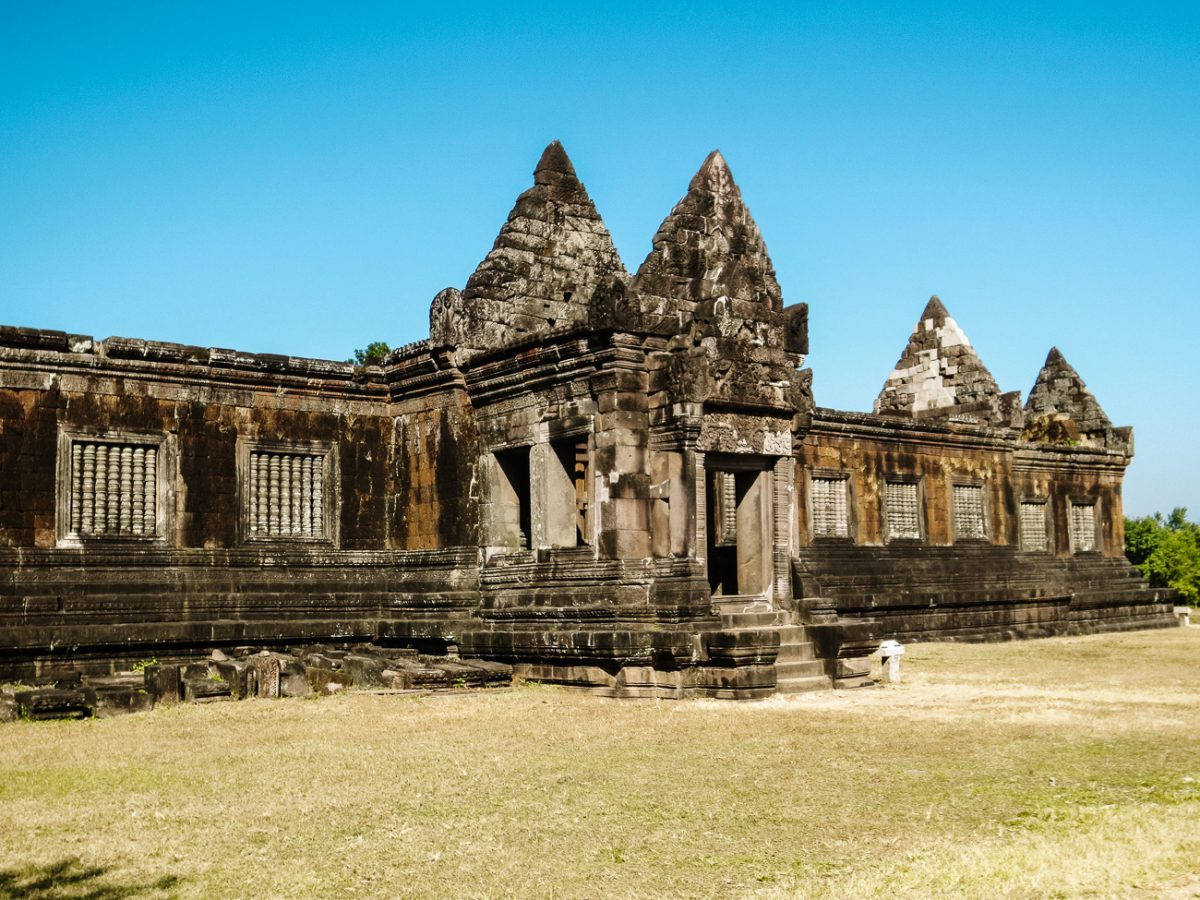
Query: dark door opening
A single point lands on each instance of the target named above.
(739, 531)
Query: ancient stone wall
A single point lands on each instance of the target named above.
(608, 481)
(1049, 558)
(871, 452)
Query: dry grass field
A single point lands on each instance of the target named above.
(1066, 767)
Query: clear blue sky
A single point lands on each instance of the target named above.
(303, 178)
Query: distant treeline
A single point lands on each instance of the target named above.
(1167, 551)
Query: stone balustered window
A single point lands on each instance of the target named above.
(967, 512)
(287, 495)
(1033, 526)
(113, 489)
(830, 507)
(1083, 527)
(288, 491)
(903, 510)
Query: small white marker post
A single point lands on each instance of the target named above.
(891, 651)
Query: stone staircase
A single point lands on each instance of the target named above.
(797, 668)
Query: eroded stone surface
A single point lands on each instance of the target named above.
(940, 375)
(593, 479)
(1062, 411)
(547, 261)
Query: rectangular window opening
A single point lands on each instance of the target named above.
(287, 495)
(1033, 526)
(903, 510)
(114, 489)
(967, 512)
(1083, 527)
(830, 508)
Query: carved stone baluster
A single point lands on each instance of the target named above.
(100, 523)
(273, 494)
(306, 483)
(76, 486)
(86, 519)
(149, 516)
(318, 498)
(252, 490)
(114, 490)
(125, 491)
(297, 496)
(728, 508)
(138, 476)
(264, 493)
(285, 495)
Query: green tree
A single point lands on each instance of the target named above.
(1167, 551)
(373, 355)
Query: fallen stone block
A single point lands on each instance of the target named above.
(396, 679)
(493, 674)
(240, 675)
(364, 671)
(319, 677)
(56, 703)
(120, 700)
(162, 683)
(321, 661)
(458, 675)
(266, 670)
(294, 684)
(205, 690)
(428, 677)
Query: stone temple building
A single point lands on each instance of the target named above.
(604, 479)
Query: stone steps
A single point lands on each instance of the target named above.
(803, 685)
(797, 668)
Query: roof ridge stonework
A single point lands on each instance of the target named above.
(939, 372)
(549, 257)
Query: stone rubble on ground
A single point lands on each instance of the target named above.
(247, 673)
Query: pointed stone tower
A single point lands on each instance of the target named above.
(709, 247)
(1061, 410)
(709, 286)
(939, 375)
(547, 261)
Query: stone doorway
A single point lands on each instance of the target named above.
(740, 539)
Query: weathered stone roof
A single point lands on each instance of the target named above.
(709, 247)
(546, 262)
(1061, 409)
(939, 373)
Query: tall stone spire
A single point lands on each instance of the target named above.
(939, 375)
(548, 259)
(710, 247)
(1061, 410)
